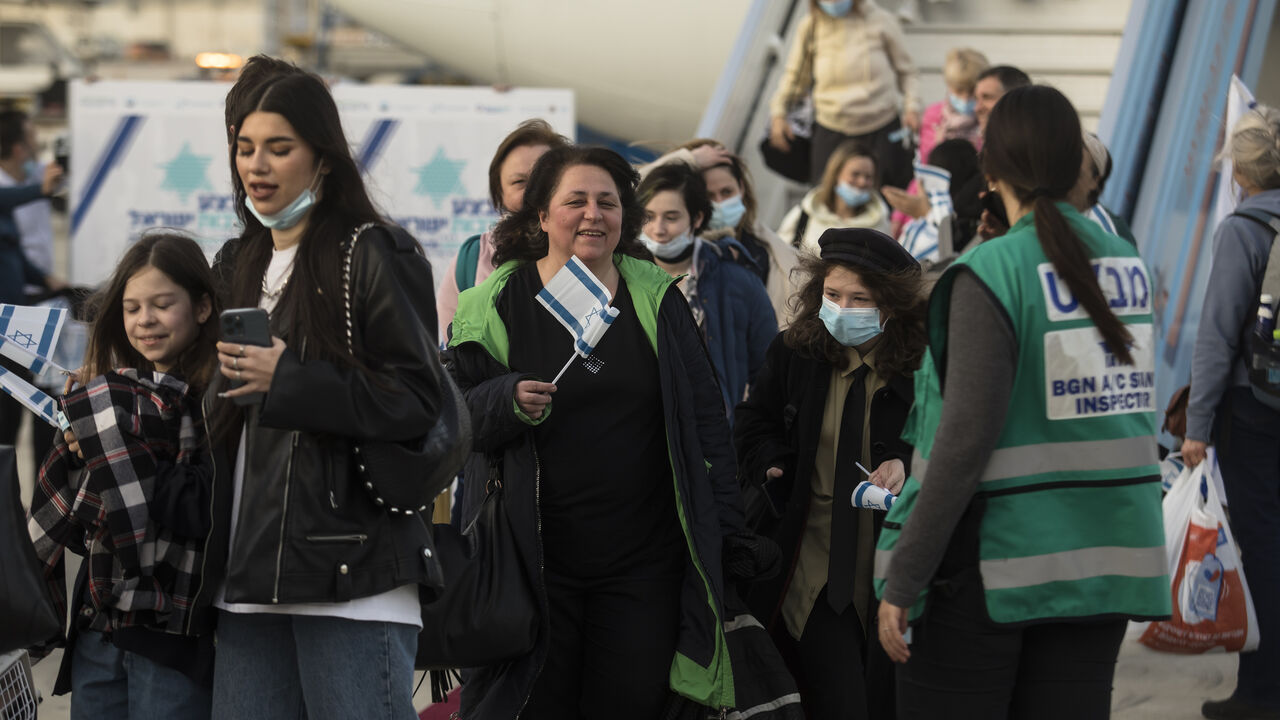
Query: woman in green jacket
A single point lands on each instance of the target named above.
(620, 478)
(1031, 522)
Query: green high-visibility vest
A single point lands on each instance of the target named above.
(1072, 526)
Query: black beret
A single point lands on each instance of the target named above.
(865, 248)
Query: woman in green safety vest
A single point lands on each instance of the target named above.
(1031, 525)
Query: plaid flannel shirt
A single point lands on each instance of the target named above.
(139, 573)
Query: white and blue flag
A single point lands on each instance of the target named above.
(29, 335)
(33, 398)
(922, 237)
(581, 303)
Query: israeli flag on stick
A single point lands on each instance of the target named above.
(28, 335)
(30, 396)
(581, 303)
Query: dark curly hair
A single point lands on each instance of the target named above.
(519, 236)
(899, 295)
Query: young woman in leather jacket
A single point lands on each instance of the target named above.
(316, 585)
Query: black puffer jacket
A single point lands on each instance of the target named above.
(306, 530)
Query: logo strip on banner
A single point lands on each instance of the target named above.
(114, 153)
(374, 142)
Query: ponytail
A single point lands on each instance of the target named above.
(1033, 143)
(1071, 263)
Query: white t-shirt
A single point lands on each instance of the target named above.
(398, 606)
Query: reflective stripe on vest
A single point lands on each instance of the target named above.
(1072, 565)
(1083, 456)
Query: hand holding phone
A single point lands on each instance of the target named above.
(244, 326)
(995, 221)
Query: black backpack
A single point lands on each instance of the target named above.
(1263, 353)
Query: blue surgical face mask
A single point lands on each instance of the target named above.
(291, 214)
(852, 196)
(964, 107)
(671, 249)
(838, 8)
(727, 214)
(850, 327)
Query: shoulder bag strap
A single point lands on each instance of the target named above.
(801, 225)
(1271, 278)
(346, 281)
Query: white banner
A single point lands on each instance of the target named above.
(148, 154)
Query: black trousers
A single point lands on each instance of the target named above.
(965, 667)
(611, 645)
(893, 161)
(1248, 441)
(841, 674)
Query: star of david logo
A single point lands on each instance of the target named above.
(440, 178)
(23, 339)
(185, 173)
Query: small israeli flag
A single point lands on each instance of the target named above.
(33, 398)
(921, 236)
(29, 335)
(1099, 215)
(581, 303)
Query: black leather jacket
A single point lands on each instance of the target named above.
(306, 531)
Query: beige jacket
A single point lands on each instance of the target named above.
(874, 215)
(862, 75)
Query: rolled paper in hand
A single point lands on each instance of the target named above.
(872, 497)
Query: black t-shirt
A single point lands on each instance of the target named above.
(607, 493)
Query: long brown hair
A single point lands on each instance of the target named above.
(900, 296)
(532, 132)
(312, 301)
(519, 236)
(1034, 144)
(844, 152)
(181, 259)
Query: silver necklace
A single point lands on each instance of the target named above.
(273, 294)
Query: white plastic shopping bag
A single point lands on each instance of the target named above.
(1211, 604)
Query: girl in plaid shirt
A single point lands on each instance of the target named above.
(127, 487)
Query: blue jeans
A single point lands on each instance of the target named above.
(109, 683)
(282, 667)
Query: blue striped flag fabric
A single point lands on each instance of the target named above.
(581, 303)
(29, 335)
(31, 397)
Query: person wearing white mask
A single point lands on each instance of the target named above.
(848, 196)
(733, 214)
(728, 302)
(318, 612)
(834, 393)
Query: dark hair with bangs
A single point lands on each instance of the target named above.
(679, 178)
(530, 133)
(312, 301)
(181, 259)
(900, 296)
(519, 236)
